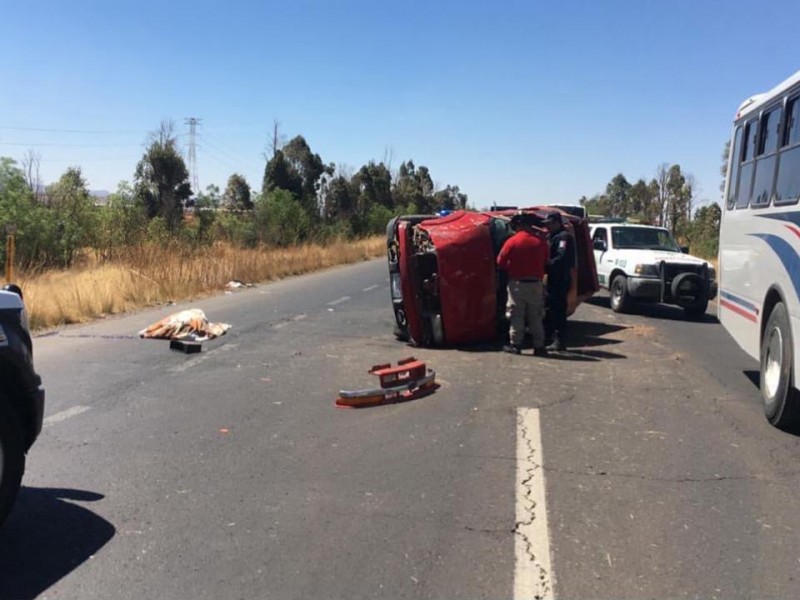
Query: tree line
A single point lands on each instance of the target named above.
(667, 200)
(301, 198)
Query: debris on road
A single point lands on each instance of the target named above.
(235, 284)
(409, 380)
(187, 347)
(190, 324)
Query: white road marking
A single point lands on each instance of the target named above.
(64, 415)
(533, 574)
(370, 288)
(193, 362)
(339, 301)
(295, 319)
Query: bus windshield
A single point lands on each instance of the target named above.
(643, 238)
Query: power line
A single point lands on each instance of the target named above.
(235, 157)
(48, 130)
(55, 144)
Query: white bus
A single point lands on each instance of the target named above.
(759, 246)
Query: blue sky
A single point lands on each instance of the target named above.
(516, 102)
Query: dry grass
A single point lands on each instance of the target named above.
(151, 275)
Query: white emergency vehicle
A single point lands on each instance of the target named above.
(641, 263)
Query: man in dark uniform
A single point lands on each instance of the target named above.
(524, 257)
(559, 279)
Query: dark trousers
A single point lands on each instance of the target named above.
(556, 319)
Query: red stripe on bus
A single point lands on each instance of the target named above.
(737, 310)
(794, 230)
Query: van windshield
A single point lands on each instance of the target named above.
(643, 238)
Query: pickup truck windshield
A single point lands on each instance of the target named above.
(643, 238)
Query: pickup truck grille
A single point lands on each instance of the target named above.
(672, 270)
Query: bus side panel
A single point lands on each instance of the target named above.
(739, 309)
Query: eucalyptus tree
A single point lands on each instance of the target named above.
(162, 178)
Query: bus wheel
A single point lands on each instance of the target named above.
(781, 404)
(620, 300)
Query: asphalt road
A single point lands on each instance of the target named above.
(230, 473)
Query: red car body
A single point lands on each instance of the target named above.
(445, 285)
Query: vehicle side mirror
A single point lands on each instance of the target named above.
(685, 249)
(600, 245)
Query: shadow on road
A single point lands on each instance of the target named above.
(666, 312)
(754, 377)
(582, 336)
(46, 537)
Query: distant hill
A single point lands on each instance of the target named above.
(100, 196)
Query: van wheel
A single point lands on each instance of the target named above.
(620, 299)
(12, 457)
(781, 404)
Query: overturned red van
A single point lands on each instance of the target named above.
(445, 286)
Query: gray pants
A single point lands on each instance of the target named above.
(525, 305)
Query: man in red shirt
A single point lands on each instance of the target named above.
(524, 257)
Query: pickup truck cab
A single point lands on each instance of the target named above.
(21, 396)
(644, 263)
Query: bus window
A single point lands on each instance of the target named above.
(791, 129)
(746, 174)
(765, 164)
(787, 187)
(735, 158)
(768, 137)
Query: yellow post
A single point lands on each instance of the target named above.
(10, 258)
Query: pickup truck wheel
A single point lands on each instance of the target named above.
(12, 457)
(781, 403)
(697, 310)
(620, 300)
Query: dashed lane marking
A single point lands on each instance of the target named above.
(370, 288)
(294, 319)
(338, 301)
(193, 362)
(64, 415)
(533, 574)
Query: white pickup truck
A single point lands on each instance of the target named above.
(644, 263)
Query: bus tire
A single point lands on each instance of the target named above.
(620, 299)
(781, 403)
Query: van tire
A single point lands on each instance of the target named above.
(12, 455)
(619, 298)
(781, 402)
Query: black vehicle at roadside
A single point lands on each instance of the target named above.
(21, 396)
